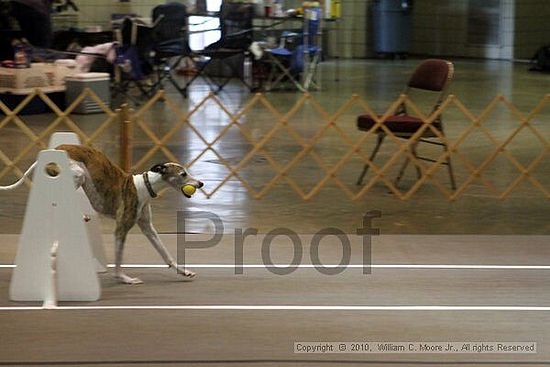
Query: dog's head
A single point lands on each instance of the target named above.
(178, 177)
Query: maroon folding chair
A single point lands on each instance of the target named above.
(432, 75)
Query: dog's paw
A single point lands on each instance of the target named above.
(188, 276)
(123, 278)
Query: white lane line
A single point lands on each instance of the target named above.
(288, 308)
(374, 266)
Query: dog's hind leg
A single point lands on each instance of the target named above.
(120, 238)
(146, 225)
(121, 231)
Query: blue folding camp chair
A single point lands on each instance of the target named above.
(133, 64)
(296, 58)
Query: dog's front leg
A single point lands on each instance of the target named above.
(120, 237)
(146, 225)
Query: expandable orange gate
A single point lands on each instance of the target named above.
(126, 121)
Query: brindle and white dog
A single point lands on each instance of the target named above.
(124, 197)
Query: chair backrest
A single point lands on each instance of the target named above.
(135, 47)
(432, 74)
(312, 26)
(134, 33)
(170, 21)
(236, 22)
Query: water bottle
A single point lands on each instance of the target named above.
(247, 70)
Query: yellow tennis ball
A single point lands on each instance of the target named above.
(189, 190)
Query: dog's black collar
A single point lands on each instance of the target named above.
(152, 193)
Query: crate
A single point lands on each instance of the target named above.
(24, 81)
(97, 82)
(39, 75)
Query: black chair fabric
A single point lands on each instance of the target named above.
(170, 41)
(229, 52)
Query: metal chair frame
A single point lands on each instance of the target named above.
(427, 135)
(236, 26)
(311, 53)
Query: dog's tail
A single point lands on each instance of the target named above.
(21, 180)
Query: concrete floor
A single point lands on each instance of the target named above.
(101, 335)
(265, 337)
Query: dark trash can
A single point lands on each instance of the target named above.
(392, 24)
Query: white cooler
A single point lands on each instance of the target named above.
(97, 82)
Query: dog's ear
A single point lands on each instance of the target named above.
(159, 168)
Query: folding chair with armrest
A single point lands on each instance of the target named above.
(432, 75)
(297, 64)
(286, 62)
(236, 37)
(171, 44)
(133, 65)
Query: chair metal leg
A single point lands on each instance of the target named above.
(311, 70)
(450, 167)
(401, 171)
(164, 71)
(447, 162)
(379, 140)
(405, 165)
(284, 72)
(418, 171)
(181, 90)
(216, 84)
(199, 73)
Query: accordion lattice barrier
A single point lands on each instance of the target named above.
(134, 130)
(36, 138)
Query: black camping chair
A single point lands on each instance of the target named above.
(171, 45)
(133, 64)
(232, 48)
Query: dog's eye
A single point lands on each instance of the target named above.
(183, 174)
